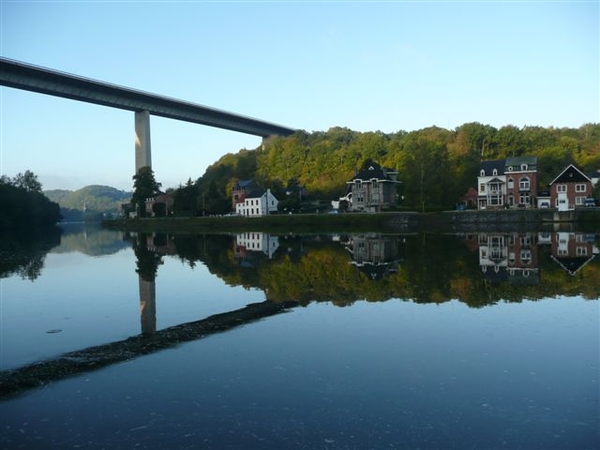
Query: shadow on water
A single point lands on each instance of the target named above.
(74, 363)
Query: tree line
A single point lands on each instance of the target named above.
(24, 206)
(436, 166)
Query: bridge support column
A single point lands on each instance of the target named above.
(147, 306)
(143, 156)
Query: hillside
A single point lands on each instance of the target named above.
(94, 200)
(436, 166)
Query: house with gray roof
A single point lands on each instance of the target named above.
(372, 189)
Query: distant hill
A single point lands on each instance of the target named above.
(89, 202)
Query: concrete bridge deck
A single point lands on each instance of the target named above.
(19, 75)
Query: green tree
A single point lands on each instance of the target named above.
(185, 199)
(27, 181)
(23, 204)
(144, 186)
(215, 201)
(425, 173)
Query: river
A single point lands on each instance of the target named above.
(112, 340)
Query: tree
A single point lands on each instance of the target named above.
(28, 181)
(144, 186)
(186, 199)
(215, 201)
(425, 172)
(24, 206)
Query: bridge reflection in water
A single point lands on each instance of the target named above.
(75, 363)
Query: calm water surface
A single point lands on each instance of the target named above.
(482, 341)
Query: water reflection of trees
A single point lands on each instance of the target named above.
(424, 268)
(23, 253)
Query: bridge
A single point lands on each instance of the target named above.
(20, 75)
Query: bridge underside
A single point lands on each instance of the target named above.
(27, 77)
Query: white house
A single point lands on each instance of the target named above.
(257, 203)
(492, 185)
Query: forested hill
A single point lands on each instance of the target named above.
(436, 166)
(95, 199)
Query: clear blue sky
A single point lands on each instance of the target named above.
(311, 65)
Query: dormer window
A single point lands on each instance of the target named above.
(523, 166)
(510, 169)
(495, 172)
(482, 173)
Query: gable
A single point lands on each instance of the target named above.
(571, 175)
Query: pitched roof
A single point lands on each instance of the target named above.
(372, 171)
(571, 174)
(518, 160)
(243, 184)
(256, 193)
(489, 166)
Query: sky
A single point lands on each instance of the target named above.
(311, 65)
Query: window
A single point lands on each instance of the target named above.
(523, 167)
(581, 251)
(511, 183)
(482, 173)
(482, 188)
(494, 172)
(580, 188)
(561, 188)
(524, 184)
(579, 200)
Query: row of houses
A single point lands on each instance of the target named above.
(372, 189)
(514, 183)
(506, 183)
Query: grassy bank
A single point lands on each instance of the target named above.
(585, 219)
(300, 223)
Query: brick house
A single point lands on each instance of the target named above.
(372, 189)
(570, 189)
(240, 189)
(161, 205)
(521, 181)
(511, 182)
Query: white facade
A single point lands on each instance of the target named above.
(492, 191)
(258, 242)
(255, 206)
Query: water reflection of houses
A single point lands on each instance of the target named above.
(572, 251)
(376, 256)
(512, 257)
(247, 245)
(161, 244)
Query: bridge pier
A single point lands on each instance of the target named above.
(147, 306)
(143, 156)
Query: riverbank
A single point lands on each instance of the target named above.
(451, 221)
